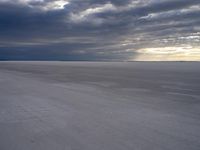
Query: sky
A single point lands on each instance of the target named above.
(100, 30)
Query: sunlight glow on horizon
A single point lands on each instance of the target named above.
(168, 54)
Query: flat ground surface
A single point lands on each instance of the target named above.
(99, 106)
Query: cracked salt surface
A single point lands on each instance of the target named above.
(95, 106)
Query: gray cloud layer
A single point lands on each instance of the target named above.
(95, 29)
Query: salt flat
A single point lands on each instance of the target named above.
(99, 106)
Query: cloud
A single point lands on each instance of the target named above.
(96, 29)
(39, 4)
(88, 15)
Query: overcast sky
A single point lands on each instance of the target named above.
(111, 30)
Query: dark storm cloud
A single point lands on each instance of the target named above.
(93, 29)
(165, 6)
(16, 17)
